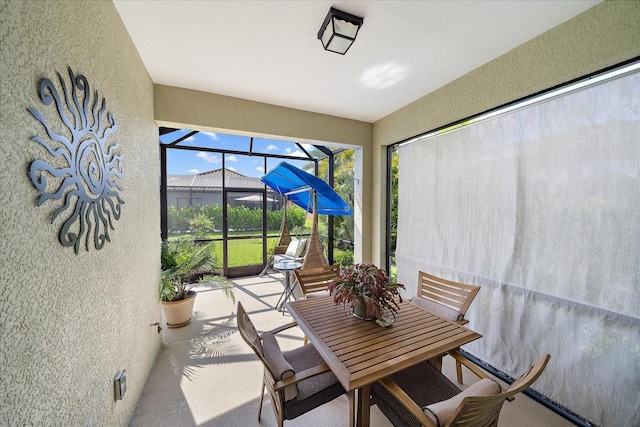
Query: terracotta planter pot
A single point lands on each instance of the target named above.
(178, 313)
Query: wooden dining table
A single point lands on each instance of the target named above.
(360, 352)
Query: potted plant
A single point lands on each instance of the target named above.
(183, 265)
(367, 290)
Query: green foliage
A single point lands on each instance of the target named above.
(394, 199)
(209, 218)
(343, 257)
(274, 220)
(296, 217)
(242, 218)
(215, 213)
(200, 224)
(178, 218)
(343, 226)
(369, 285)
(299, 231)
(182, 264)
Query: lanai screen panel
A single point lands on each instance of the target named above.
(541, 207)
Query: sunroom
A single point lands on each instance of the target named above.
(503, 181)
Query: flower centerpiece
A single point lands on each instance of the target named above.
(367, 290)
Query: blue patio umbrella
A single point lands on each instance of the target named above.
(300, 186)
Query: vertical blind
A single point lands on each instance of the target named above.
(541, 207)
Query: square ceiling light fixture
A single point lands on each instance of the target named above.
(339, 30)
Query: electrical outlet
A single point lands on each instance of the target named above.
(120, 384)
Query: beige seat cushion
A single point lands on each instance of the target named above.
(316, 294)
(442, 412)
(438, 309)
(296, 248)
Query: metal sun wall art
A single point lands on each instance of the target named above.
(85, 169)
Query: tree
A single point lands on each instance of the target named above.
(394, 199)
(200, 224)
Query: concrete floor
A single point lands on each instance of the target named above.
(205, 374)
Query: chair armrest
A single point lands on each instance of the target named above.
(407, 402)
(466, 362)
(300, 376)
(282, 328)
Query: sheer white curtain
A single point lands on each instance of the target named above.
(541, 207)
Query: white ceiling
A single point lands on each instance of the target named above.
(268, 51)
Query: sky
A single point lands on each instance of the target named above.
(191, 162)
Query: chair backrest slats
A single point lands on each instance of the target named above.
(248, 331)
(315, 279)
(457, 296)
(250, 336)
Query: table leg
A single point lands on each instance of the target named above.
(279, 300)
(436, 362)
(364, 403)
(352, 408)
(286, 294)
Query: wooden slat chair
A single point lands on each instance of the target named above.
(313, 281)
(297, 380)
(447, 299)
(432, 400)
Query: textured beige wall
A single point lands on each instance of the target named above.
(604, 35)
(69, 322)
(202, 110)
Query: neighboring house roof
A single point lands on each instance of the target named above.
(218, 172)
(212, 181)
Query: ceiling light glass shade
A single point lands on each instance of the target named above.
(339, 30)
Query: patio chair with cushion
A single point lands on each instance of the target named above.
(447, 299)
(297, 380)
(430, 399)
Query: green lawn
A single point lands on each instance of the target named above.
(246, 251)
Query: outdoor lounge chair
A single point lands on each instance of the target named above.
(447, 299)
(297, 380)
(430, 399)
